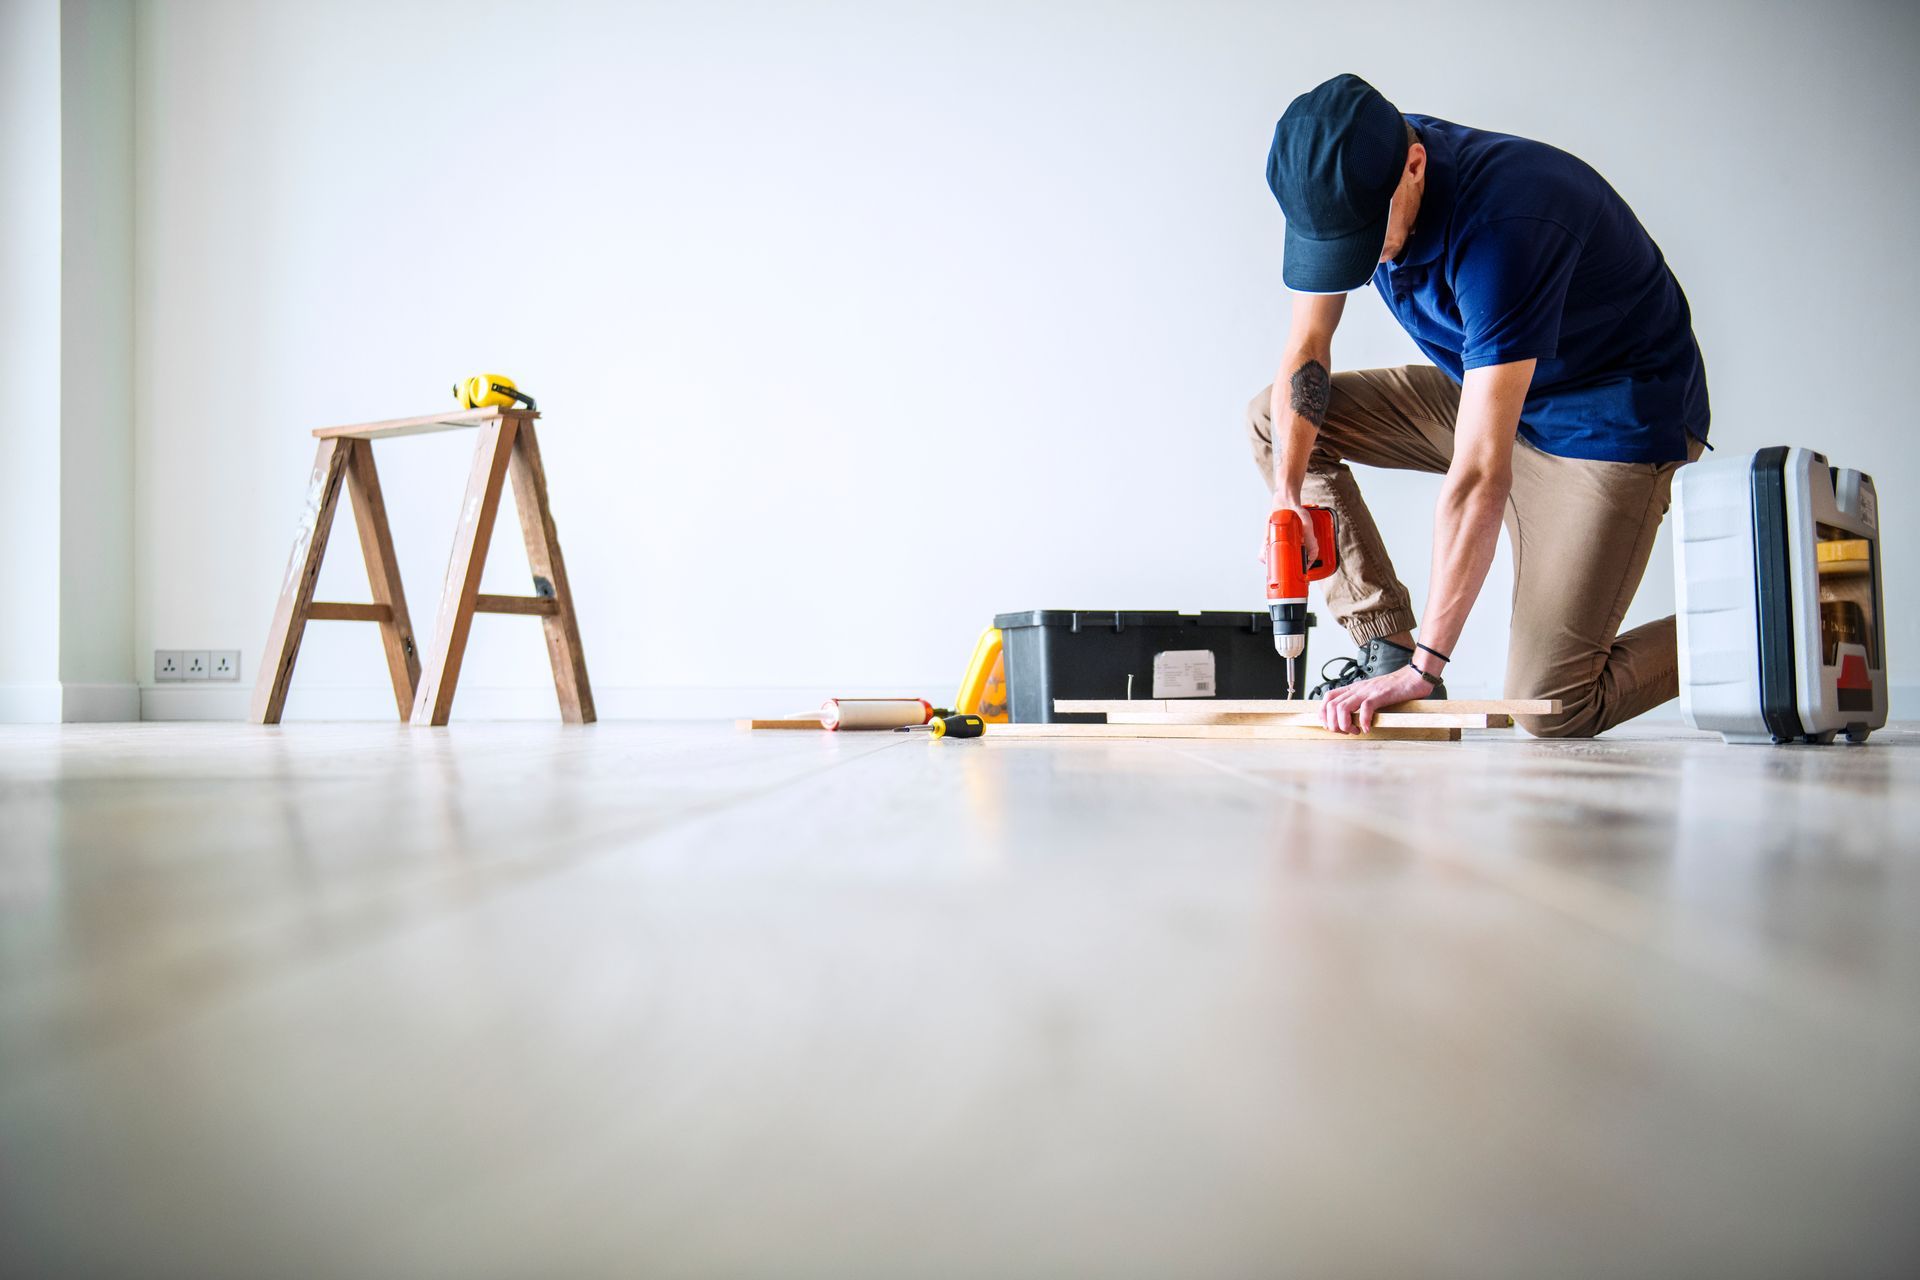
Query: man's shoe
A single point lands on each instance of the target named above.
(1377, 658)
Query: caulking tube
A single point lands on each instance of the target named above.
(874, 713)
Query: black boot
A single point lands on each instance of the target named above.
(1377, 658)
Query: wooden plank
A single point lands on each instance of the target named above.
(296, 587)
(781, 724)
(383, 575)
(343, 611)
(1220, 732)
(526, 606)
(433, 702)
(458, 420)
(1281, 706)
(1384, 719)
(550, 579)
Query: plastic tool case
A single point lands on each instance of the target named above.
(1782, 636)
(1058, 653)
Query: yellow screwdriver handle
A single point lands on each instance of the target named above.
(958, 726)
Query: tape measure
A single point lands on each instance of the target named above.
(490, 390)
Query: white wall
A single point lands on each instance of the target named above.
(855, 323)
(29, 359)
(96, 362)
(66, 352)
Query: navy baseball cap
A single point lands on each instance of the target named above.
(1336, 160)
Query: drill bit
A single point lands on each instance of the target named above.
(1291, 646)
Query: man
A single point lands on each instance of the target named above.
(1565, 390)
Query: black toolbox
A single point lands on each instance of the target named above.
(1058, 653)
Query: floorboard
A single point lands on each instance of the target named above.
(509, 1000)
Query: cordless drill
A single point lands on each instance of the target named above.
(1288, 574)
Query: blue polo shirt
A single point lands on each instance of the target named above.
(1521, 251)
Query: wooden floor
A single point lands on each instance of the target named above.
(643, 1000)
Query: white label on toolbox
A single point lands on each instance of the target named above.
(1183, 673)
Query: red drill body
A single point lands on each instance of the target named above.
(1288, 574)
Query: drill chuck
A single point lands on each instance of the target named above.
(1289, 626)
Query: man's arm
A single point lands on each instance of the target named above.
(1301, 390)
(1466, 529)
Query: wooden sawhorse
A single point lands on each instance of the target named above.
(506, 444)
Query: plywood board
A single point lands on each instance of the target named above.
(798, 723)
(1222, 732)
(1311, 719)
(1281, 706)
(455, 421)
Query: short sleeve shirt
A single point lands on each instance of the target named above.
(1521, 251)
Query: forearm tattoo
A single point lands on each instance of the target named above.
(1309, 390)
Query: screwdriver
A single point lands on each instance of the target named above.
(962, 725)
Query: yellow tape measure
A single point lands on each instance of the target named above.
(490, 390)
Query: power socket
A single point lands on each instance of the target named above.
(171, 665)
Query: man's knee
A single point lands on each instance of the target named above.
(1568, 722)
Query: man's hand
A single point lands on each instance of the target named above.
(1307, 539)
(1350, 709)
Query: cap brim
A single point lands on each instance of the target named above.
(1333, 266)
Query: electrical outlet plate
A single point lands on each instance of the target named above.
(194, 664)
(167, 666)
(224, 664)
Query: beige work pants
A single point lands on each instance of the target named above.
(1581, 534)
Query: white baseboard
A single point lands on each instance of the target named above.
(198, 701)
(69, 703)
(30, 703)
(99, 703)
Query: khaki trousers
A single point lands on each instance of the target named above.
(1581, 534)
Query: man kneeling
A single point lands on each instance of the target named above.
(1566, 389)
